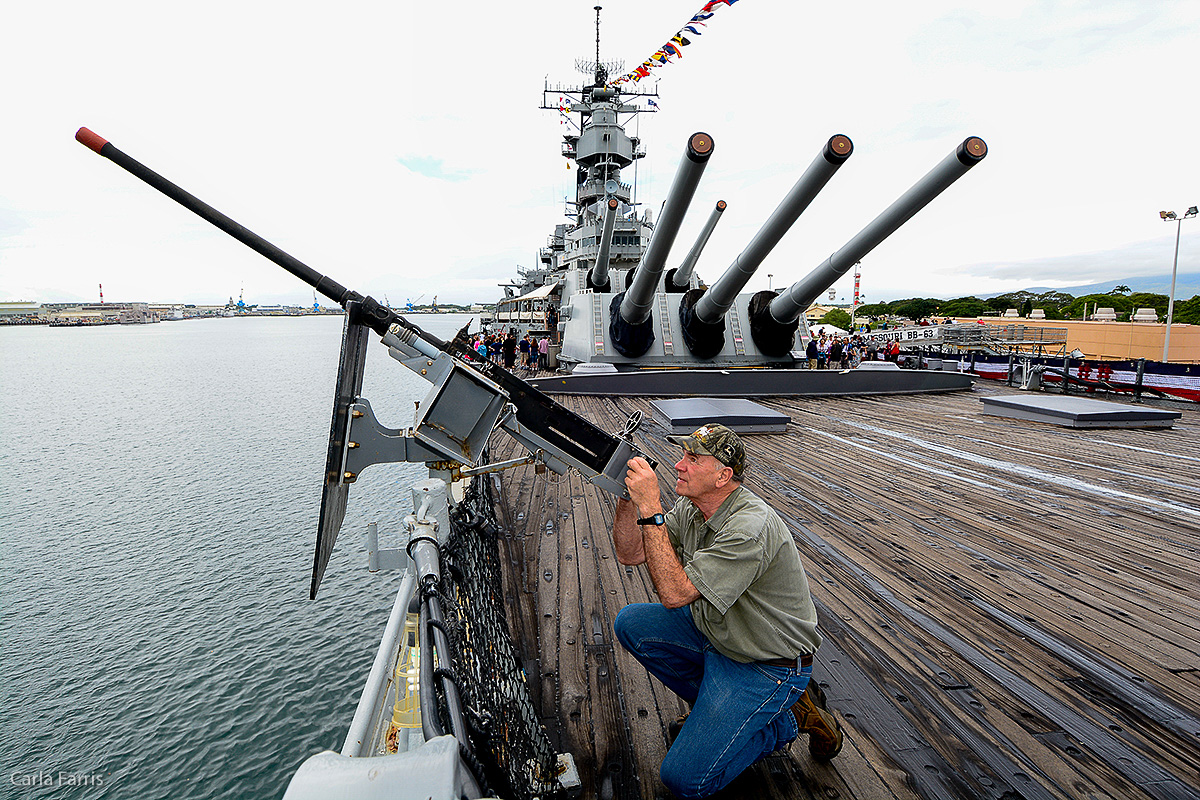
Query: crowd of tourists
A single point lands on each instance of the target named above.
(526, 353)
(829, 351)
(824, 351)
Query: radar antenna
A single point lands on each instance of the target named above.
(600, 70)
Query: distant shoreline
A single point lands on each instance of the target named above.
(123, 314)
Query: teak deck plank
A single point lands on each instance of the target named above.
(1009, 608)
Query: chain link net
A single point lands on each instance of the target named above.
(506, 732)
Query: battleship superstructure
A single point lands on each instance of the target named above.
(603, 292)
(607, 236)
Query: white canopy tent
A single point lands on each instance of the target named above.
(827, 329)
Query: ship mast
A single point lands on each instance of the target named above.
(599, 149)
(601, 72)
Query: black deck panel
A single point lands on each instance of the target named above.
(685, 414)
(1079, 412)
(754, 382)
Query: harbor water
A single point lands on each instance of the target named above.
(159, 495)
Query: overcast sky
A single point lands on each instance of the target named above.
(398, 147)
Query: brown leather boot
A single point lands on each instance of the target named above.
(824, 732)
(674, 728)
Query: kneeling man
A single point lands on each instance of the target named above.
(736, 629)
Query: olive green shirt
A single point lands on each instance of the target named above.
(755, 603)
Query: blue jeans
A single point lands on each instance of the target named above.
(739, 711)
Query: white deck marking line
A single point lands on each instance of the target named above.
(1028, 472)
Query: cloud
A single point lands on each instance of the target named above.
(1048, 34)
(431, 167)
(1149, 258)
(11, 224)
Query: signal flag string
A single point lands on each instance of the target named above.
(674, 46)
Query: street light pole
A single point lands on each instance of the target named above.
(1170, 216)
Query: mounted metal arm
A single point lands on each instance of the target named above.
(470, 397)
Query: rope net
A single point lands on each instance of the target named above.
(507, 735)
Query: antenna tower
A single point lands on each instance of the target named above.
(600, 70)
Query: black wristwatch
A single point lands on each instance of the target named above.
(657, 519)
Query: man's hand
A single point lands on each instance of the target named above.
(642, 483)
(674, 587)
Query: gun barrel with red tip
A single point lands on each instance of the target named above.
(90, 139)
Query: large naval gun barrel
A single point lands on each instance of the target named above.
(702, 313)
(788, 306)
(629, 317)
(597, 279)
(678, 279)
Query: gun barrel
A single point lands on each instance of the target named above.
(379, 317)
(791, 304)
(598, 276)
(539, 422)
(716, 301)
(635, 306)
(684, 273)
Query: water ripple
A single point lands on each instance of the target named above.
(158, 510)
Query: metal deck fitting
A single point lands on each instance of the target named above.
(1079, 412)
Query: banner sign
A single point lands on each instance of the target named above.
(920, 336)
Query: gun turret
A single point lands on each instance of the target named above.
(597, 279)
(777, 319)
(629, 323)
(678, 279)
(701, 313)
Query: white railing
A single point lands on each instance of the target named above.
(366, 716)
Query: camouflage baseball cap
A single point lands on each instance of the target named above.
(717, 441)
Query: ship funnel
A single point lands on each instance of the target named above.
(786, 309)
(678, 279)
(629, 317)
(597, 279)
(702, 313)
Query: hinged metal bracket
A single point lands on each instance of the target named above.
(389, 559)
(368, 442)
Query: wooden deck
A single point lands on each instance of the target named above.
(1011, 609)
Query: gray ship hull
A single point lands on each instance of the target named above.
(755, 382)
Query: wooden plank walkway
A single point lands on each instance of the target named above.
(1011, 609)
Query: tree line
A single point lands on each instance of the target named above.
(1056, 305)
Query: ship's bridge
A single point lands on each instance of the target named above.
(603, 143)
